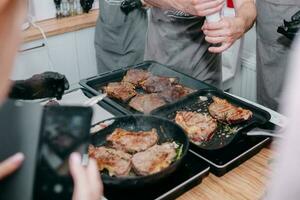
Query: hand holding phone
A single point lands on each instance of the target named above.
(64, 129)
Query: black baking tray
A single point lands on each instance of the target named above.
(94, 84)
(225, 134)
(230, 157)
(189, 175)
(241, 148)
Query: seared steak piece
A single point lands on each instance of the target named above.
(116, 162)
(120, 90)
(224, 111)
(199, 127)
(132, 142)
(155, 84)
(145, 103)
(136, 76)
(154, 159)
(175, 92)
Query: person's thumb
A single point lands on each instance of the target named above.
(10, 165)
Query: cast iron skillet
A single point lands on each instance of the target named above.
(223, 136)
(167, 131)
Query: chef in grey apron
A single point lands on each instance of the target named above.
(175, 39)
(119, 39)
(272, 49)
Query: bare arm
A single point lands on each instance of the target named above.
(246, 11)
(193, 7)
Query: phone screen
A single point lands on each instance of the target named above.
(65, 129)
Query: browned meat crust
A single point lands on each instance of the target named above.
(155, 84)
(120, 90)
(136, 76)
(116, 162)
(224, 111)
(175, 92)
(199, 127)
(154, 160)
(132, 142)
(146, 103)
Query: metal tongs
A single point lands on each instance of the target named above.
(94, 100)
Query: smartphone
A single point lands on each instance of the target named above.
(19, 132)
(64, 129)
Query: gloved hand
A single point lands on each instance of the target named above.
(86, 5)
(128, 6)
(296, 16)
(45, 85)
(290, 29)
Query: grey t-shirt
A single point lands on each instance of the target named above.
(175, 39)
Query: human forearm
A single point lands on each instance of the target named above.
(246, 11)
(198, 8)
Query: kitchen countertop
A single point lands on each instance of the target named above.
(55, 26)
(248, 181)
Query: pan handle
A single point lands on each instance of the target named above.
(263, 133)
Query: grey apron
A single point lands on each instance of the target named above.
(175, 39)
(119, 39)
(272, 49)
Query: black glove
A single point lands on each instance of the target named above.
(86, 5)
(128, 6)
(296, 17)
(290, 29)
(45, 85)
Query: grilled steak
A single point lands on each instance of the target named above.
(136, 76)
(145, 103)
(133, 142)
(155, 84)
(116, 162)
(175, 92)
(199, 127)
(120, 90)
(154, 160)
(224, 111)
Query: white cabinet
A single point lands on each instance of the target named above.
(32, 60)
(86, 53)
(72, 54)
(64, 57)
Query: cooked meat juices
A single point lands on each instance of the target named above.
(199, 127)
(224, 111)
(145, 103)
(136, 76)
(175, 92)
(154, 160)
(155, 84)
(133, 142)
(118, 163)
(120, 90)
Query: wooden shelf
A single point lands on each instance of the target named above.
(54, 26)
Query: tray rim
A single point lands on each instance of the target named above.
(220, 167)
